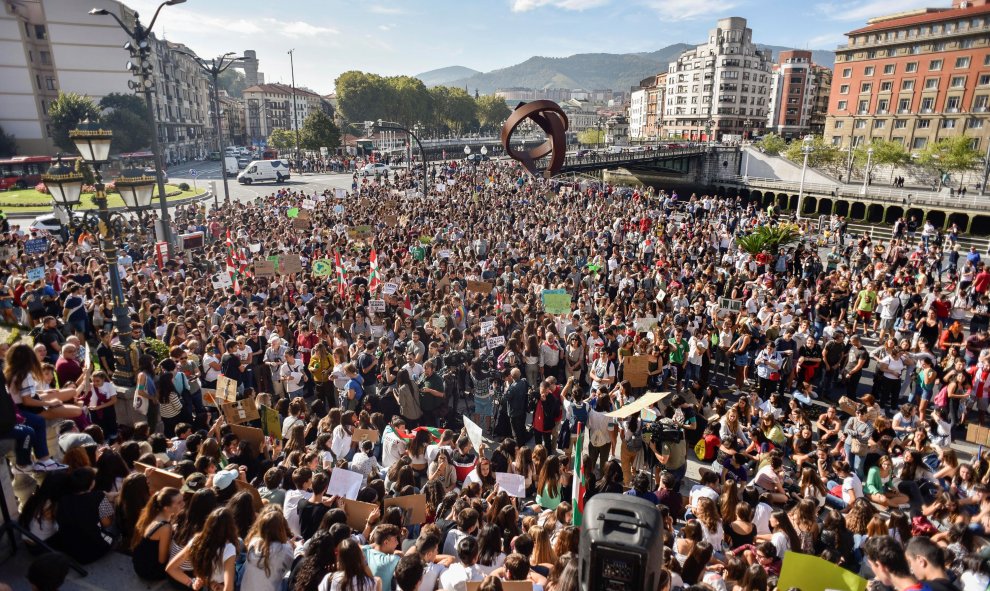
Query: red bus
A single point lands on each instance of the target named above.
(21, 172)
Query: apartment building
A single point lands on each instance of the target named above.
(797, 88)
(269, 107)
(914, 77)
(718, 87)
(646, 107)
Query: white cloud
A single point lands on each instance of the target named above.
(379, 9)
(300, 28)
(686, 10)
(527, 5)
(826, 40)
(861, 11)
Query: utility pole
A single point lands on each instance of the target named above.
(295, 109)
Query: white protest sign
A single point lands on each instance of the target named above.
(487, 326)
(340, 193)
(338, 209)
(514, 485)
(444, 254)
(376, 305)
(321, 198)
(308, 204)
(492, 342)
(344, 483)
(390, 288)
(255, 247)
(474, 433)
(451, 181)
(222, 280)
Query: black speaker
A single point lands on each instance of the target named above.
(621, 544)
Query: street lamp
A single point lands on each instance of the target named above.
(136, 188)
(866, 177)
(806, 149)
(391, 125)
(484, 150)
(467, 150)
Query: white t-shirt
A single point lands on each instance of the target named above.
(229, 551)
(335, 582)
(761, 518)
(852, 483)
(291, 508)
(456, 577)
(780, 542)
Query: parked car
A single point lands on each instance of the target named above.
(374, 168)
(477, 158)
(242, 162)
(51, 224)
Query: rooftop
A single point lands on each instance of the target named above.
(931, 15)
(279, 89)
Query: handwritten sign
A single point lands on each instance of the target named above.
(226, 390)
(222, 280)
(254, 436)
(493, 342)
(289, 264)
(390, 288)
(416, 504)
(345, 483)
(241, 411)
(360, 232)
(308, 204)
(264, 269)
(728, 305)
(322, 268)
(482, 287)
(636, 370)
(514, 485)
(358, 513)
(556, 301)
(474, 433)
(271, 425)
(36, 246)
(36, 274)
(371, 435)
(376, 305)
(487, 326)
(300, 223)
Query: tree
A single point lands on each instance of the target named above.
(949, 155)
(282, 139)
(823, 154)
(413, 103)
(460, 110)
(591, 136)
(492, 111)
(772, 144)
(365, 97)
(66, 112)
(126, 116)
(318, 131)
(232, 81)
(885, 153)
(769, 239)
(8, 145)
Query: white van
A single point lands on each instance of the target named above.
(230, 165)
(264, 170)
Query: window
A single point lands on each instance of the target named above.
(931, 84)
(975, 123)
(836, 140)
(962, 62)
(924, 123)
(842, 105)
(952, 103)
(46, 58)
(903, 105)
(879, 124)
(980, 103)
(898, 139)
(886, 86)
(907, 85)
(844, 89)
(888, 69)
(869, 71)
(935, 65)
(986, 60)
(39, 32)
(840, 124)
(866, 87)
(927, 104)
(860, 124)
(883, 105)
(984, 79)
(900, 123)
(948, 124)
(864, 106)
(911, 67)
(50, 83)
(919, 143)
(847, 72)
(957, 82)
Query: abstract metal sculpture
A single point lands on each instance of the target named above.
(551, 119)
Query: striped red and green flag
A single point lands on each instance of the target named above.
(374, 280)
(341, 276)
(433, 431)
(579, 482)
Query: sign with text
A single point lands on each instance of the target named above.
(482, 287)
(376, 305)
(636, 370)
(289, 264)
(240, 411)
(556, 301)
(264, 269)
(226, 390)
(36, 246)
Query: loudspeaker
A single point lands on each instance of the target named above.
(621, 544)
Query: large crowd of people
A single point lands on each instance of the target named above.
(819, 389)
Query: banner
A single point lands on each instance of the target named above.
(556, 301)
(322, 268)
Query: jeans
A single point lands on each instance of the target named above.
(28, 439)
(832, 500)
(829, 377)
(692, 373)
(855, 461)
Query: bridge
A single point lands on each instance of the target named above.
(877, 205)
(671, 159)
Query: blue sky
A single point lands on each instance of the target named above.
(409, 37)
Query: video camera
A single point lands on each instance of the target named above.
(665, 430)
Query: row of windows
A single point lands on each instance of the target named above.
(917, 143)
(930, 84)
(927, 105)
(934, 65)
(970, 123)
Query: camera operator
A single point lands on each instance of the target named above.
(431, 395)
(669, 446)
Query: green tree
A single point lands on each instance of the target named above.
(949, 155)
(318, 131)
(412, 100)
(591, 136)
(365, 97)
(8, 145)
(823, 154)
(282, 139)
(127, 116)
(772, 144)
(66, 112)
(492, 111)
(461, 110)
(232, 81)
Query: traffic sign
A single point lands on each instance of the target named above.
(193, 173)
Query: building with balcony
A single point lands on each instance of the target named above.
(637, 114)
(714, 88)
(182, 103)
(645, 108)
(232, 114)
(913, 78)
(268, 107)
(795, 92)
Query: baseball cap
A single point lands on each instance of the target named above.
(224, 478)
(194, 482)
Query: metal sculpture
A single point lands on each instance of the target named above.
(551, 119)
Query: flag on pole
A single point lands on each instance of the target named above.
(341, 276)
(407, 307)
(578, 484)
(374, 281)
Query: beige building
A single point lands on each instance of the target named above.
(269, 106)
(714, 88)
(914, 77)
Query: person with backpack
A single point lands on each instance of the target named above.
(632, 445)
(549, 409)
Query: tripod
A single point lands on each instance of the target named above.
(9, 526)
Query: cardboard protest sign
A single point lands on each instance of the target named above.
(482, 287)
(322, 268)
(289, 264)
(360, 232)
(158, 478)
(391, 220)
(390, 288)
(300, 223)
(209, 397)
(255, 496)
(371, 435)
(358, 513)
(36, 273)
(645, 401)
(264, 269)
(636, 370)
(226, 390)
(241, 411)
(644, 324)
(376, 305)
(977, 434)
(416, 503)
(556, 301)
(253, 435)
(308, 204)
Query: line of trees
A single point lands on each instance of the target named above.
(406, 100)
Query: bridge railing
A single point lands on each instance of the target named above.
(903, 197)
(596, 158)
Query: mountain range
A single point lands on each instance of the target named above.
(617, 71)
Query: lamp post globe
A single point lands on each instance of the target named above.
(64, 184)
(467, 150)
(484, 150)
(135, 188)
(92, 142)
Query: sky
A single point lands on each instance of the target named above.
(413, 36)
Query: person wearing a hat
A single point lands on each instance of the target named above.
(194, 482)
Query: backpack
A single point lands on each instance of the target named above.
(580, 414)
